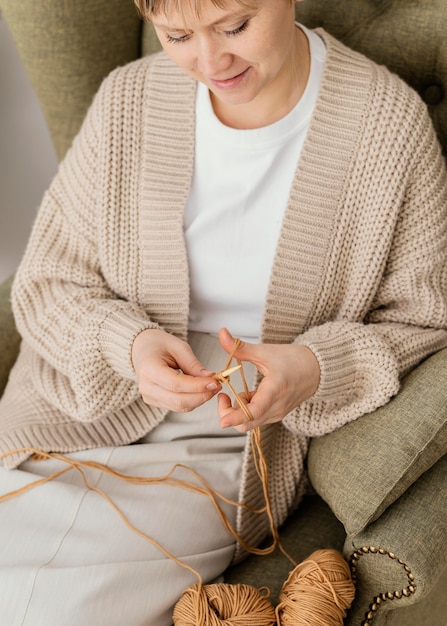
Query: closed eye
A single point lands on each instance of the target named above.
(181, 39)
(238, 30)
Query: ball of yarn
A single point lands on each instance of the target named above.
(318, 591)
(211, 605)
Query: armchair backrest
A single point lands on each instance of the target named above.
(68, 47)
(408, 36)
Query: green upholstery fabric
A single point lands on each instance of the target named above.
(408, 36)
(67, 48)
(9, 337)
(149, 40)
(430, 611)
(367, 465)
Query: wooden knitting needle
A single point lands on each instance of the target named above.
(229, 371)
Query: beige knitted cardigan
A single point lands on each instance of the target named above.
(360, 273)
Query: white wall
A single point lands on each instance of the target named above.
(27, 158)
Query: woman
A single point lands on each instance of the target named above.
(254, 176)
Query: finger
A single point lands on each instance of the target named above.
(233, 415)
(240, 422)
(262, 408)
(245, 352)
(154, 395)
(185, 360)
(223, 403)
(227, 342)
(190, 364)
(176, 381)
(226, 339)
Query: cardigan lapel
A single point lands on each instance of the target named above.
(301, 268)
(301, 264)
(167, 164)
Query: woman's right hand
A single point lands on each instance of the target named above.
(169, 374)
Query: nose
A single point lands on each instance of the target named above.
(212, 56)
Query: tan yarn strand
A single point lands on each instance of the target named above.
(36, 483)
(168, 479)
(258, 454)
(320, 589)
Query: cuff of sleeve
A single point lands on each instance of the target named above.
(116, 336)
(337, 369)
(352, 363)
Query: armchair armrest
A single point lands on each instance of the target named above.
(9, 337)
(384, 478)
(398, 560)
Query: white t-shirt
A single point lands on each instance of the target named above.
(240, 188)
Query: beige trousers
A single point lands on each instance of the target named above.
(68, 559)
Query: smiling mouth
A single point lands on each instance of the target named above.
(230, 83)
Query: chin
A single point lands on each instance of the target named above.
(232, 98)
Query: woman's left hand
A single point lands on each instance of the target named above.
(291, 374)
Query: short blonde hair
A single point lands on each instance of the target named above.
(149, 8)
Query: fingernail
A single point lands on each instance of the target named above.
(212, 386)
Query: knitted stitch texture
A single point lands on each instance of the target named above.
(360, 273)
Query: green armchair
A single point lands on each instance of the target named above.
(380, 482)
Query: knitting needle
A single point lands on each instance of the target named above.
(229, 371)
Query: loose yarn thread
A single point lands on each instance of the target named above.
(318, 591)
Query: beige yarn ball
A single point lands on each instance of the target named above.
(318, 591)
(213, 605)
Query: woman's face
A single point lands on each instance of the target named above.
(245, 56)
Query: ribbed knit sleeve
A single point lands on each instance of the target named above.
(390, 233)
(80, 324)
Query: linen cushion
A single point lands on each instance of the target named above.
(368, 464)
